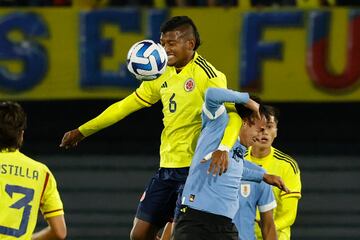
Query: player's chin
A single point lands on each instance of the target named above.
(171, 61)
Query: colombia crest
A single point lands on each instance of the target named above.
(189, 85)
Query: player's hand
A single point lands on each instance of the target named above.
(254, 106)
(275, 181)
(71, 139)
(219, 162)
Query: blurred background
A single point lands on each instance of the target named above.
(65, 62)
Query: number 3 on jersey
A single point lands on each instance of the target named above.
(172, 104)
(22, 203)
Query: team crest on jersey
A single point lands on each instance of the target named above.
(245, 190)
(143, 196)
(189, 85)
(192, 198)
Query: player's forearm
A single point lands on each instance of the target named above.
(55, 231)
(45, 234)
(111, 115)
(252, 175)
(287, 216)
(214, 97)
(268, 232)
(232, 129)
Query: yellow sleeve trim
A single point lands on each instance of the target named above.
(143, 101)
(54, 213)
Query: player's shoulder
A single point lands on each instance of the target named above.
(36, 164)
(169, 71)
(285, 160)
(205, 68)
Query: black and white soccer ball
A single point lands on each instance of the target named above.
(146, 60)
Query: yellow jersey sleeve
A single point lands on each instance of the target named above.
(232, 129)
(50, 203)
(112, 114)
(292, 180)
(287, 215)
(148, 92)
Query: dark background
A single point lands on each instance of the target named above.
(102, 180)
(304, 128)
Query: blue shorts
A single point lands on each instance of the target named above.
(162, 196)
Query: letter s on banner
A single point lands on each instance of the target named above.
(28, 51)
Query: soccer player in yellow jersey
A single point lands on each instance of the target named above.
(181, 90)
(25, 185)
(278, 163)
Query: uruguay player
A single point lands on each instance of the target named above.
(255, 195)
(181, 90)
(210, 202)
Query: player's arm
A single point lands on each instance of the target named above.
(267, 225)
(232, 129)
(51, 208)
(252, 175)
(288, 213)
(144, 96)
(56, 229)
(111, 115)
(214, 106)
(266, 203)
(258, 176)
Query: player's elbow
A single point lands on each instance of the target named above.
(58, 227)
(60, 234)
(210, 94)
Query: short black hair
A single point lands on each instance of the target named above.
(12, 122)
(273, 111)
(179, 21)
(246, 113)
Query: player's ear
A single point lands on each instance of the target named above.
(191, 43)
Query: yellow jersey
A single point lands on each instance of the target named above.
(25, 187)
(281, 164)
(182, 95)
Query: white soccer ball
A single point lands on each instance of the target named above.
(146, 60)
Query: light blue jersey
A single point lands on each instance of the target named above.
(252, 195)
(216, 194)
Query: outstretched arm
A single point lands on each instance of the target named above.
(275, 181)
(111, 115)
(214, 100)
(258, 176)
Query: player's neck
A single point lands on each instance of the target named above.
(186, 61)
(178, 69)
(260, 152)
